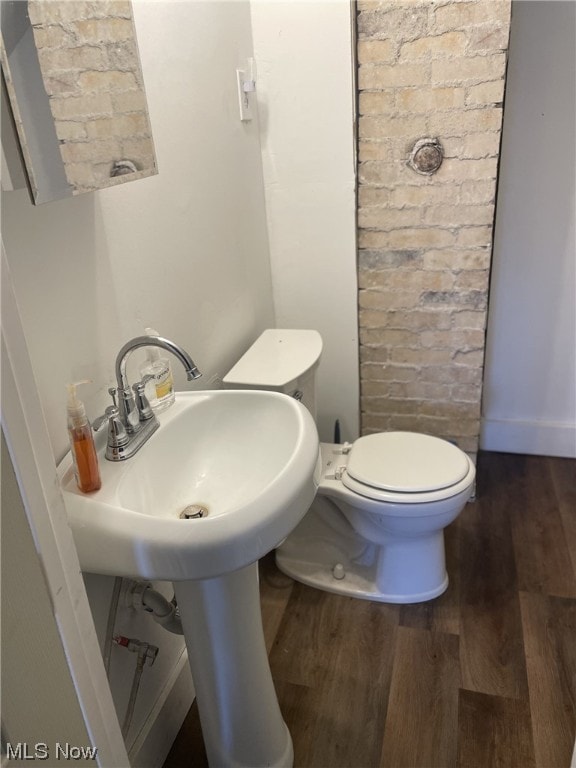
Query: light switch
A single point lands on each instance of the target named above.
(246, 83)
(244, 95)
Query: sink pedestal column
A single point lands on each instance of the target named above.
(241, 720)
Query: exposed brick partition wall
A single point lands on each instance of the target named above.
(427, 70)
(91, 71)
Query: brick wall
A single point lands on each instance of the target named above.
(91, 70)
(427, 70)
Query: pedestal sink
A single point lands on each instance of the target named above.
(223, 481)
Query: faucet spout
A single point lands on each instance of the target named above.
(192, 371)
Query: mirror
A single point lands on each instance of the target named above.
(73, 76)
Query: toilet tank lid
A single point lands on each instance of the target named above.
(276, 358)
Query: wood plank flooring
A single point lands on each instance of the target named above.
(482, 677)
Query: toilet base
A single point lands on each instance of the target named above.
(354, 583)
(334, 558)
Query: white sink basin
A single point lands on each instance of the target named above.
(248, 458)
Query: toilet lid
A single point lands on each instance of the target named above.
(406, 462)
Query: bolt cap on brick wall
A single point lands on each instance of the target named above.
(426, 156)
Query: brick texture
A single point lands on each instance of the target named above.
(437, 70)
(91, 70)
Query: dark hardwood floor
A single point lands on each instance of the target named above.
(482, 677)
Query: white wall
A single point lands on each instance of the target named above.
(530, 380)
(305, 97)
(185, 251)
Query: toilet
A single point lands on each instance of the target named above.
(376, 527)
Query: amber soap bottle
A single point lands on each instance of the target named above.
(84, 455)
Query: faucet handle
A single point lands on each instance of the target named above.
(110, 412)
(97, 423)
(142, 403)
(117, 436)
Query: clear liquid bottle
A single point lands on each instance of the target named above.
(160, 388)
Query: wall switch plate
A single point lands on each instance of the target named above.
(244, 98)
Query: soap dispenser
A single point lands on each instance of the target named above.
(84, 456)
(159, 373)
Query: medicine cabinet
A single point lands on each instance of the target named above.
(72, 73)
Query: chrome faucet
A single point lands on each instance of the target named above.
(131, 422)
(129, 412)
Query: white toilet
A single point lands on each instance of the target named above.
(375, 528)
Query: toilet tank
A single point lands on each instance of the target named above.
(281, 361)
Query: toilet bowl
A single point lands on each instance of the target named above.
(384, 539)
(376, 527)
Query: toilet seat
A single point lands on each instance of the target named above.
(406, 468)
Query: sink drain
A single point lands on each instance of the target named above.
(193, 512)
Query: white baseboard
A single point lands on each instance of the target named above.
(539, 438)
(153, 743)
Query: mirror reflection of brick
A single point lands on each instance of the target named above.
(91, 71)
